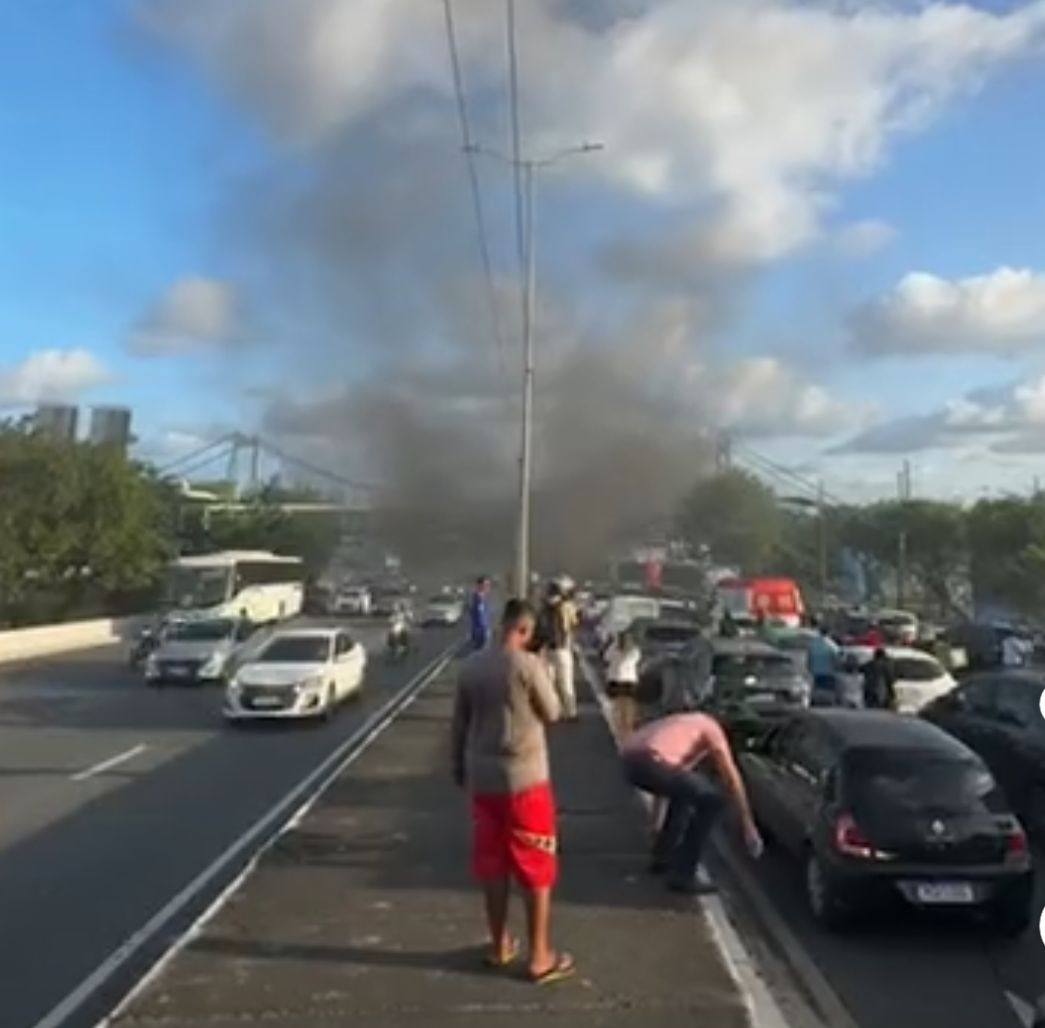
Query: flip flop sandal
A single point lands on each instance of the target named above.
(495, 962)
(563, 968)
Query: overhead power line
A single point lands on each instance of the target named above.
(468, 147)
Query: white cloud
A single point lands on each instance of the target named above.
(51, 375)
(194, 313)
(757, 108)
(1001, 313)
(1008, 419)
(761, 396)
(863, 238)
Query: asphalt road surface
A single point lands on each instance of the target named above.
(905, 969)
(114, 796)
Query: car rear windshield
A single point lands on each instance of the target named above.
(759, 665)
(203, 631)
(670, 634)
(917, 669)
(911, 781)
(296, 649)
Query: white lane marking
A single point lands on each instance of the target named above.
(277, 817)
(105, 765)
(761, 1004)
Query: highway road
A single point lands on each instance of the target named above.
(900, 969)
(114, 797)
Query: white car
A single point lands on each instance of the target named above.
(352, 600)
(443, 610)
(198, 652)
(301, 672)
(621, 611)
(920, 677)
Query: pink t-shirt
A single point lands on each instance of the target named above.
(680, 740)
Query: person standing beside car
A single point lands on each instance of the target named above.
(823, 666)
(879, 682)
(622, 682)
(554, 638)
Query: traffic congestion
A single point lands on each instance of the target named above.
(894, 769)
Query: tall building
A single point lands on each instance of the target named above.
(56, 421)
(111, 426)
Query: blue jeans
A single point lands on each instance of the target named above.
(694, 805)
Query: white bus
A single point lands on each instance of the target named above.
(254, 584)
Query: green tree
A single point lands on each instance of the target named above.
(1007, 553)
(78, 524)
(930, 534)
(736, 515)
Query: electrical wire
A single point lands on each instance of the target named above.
(468, 148)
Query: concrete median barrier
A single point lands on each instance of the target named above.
(47, 640)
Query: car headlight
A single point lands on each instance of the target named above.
(212, 666)
(313, 684)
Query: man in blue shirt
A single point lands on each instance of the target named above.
(479, 613)
(823, 666)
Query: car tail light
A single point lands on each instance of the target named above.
(850, 840)
(1016, 845)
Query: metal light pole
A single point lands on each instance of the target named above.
(529, 308)
(529, 169)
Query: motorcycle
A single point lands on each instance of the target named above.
(398, 639)
(148, 641)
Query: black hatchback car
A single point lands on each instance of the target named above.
(997, 714)
(880, 807)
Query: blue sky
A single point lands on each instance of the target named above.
(136, 241)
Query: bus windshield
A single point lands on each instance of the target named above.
(188, 587)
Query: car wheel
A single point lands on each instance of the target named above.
(822, 895)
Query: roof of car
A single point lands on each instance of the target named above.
(744, 647)
(305, 630)
(886, 730)
(1033, 678)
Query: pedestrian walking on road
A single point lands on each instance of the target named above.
(554, 639)
(622, 682)
(504, 701)
(668, 758)
(479, 623)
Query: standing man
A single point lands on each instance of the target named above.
(479, 614)
(504, 700)
(555, 640)
(667, 758)
(824, 657)
(879, 682)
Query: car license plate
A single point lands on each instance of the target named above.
(176, 671)
(267, 701)
(945, 892)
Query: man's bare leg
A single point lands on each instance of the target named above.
(538, 924)
(495, 894)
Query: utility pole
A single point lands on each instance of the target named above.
(821, 510)
(901, 569)
(529, 167)
(522, 546)
(255, 458)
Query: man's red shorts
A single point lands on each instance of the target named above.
(513, 835)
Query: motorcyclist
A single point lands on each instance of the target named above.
(399, 628)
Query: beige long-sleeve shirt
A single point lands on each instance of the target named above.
(504, 699)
